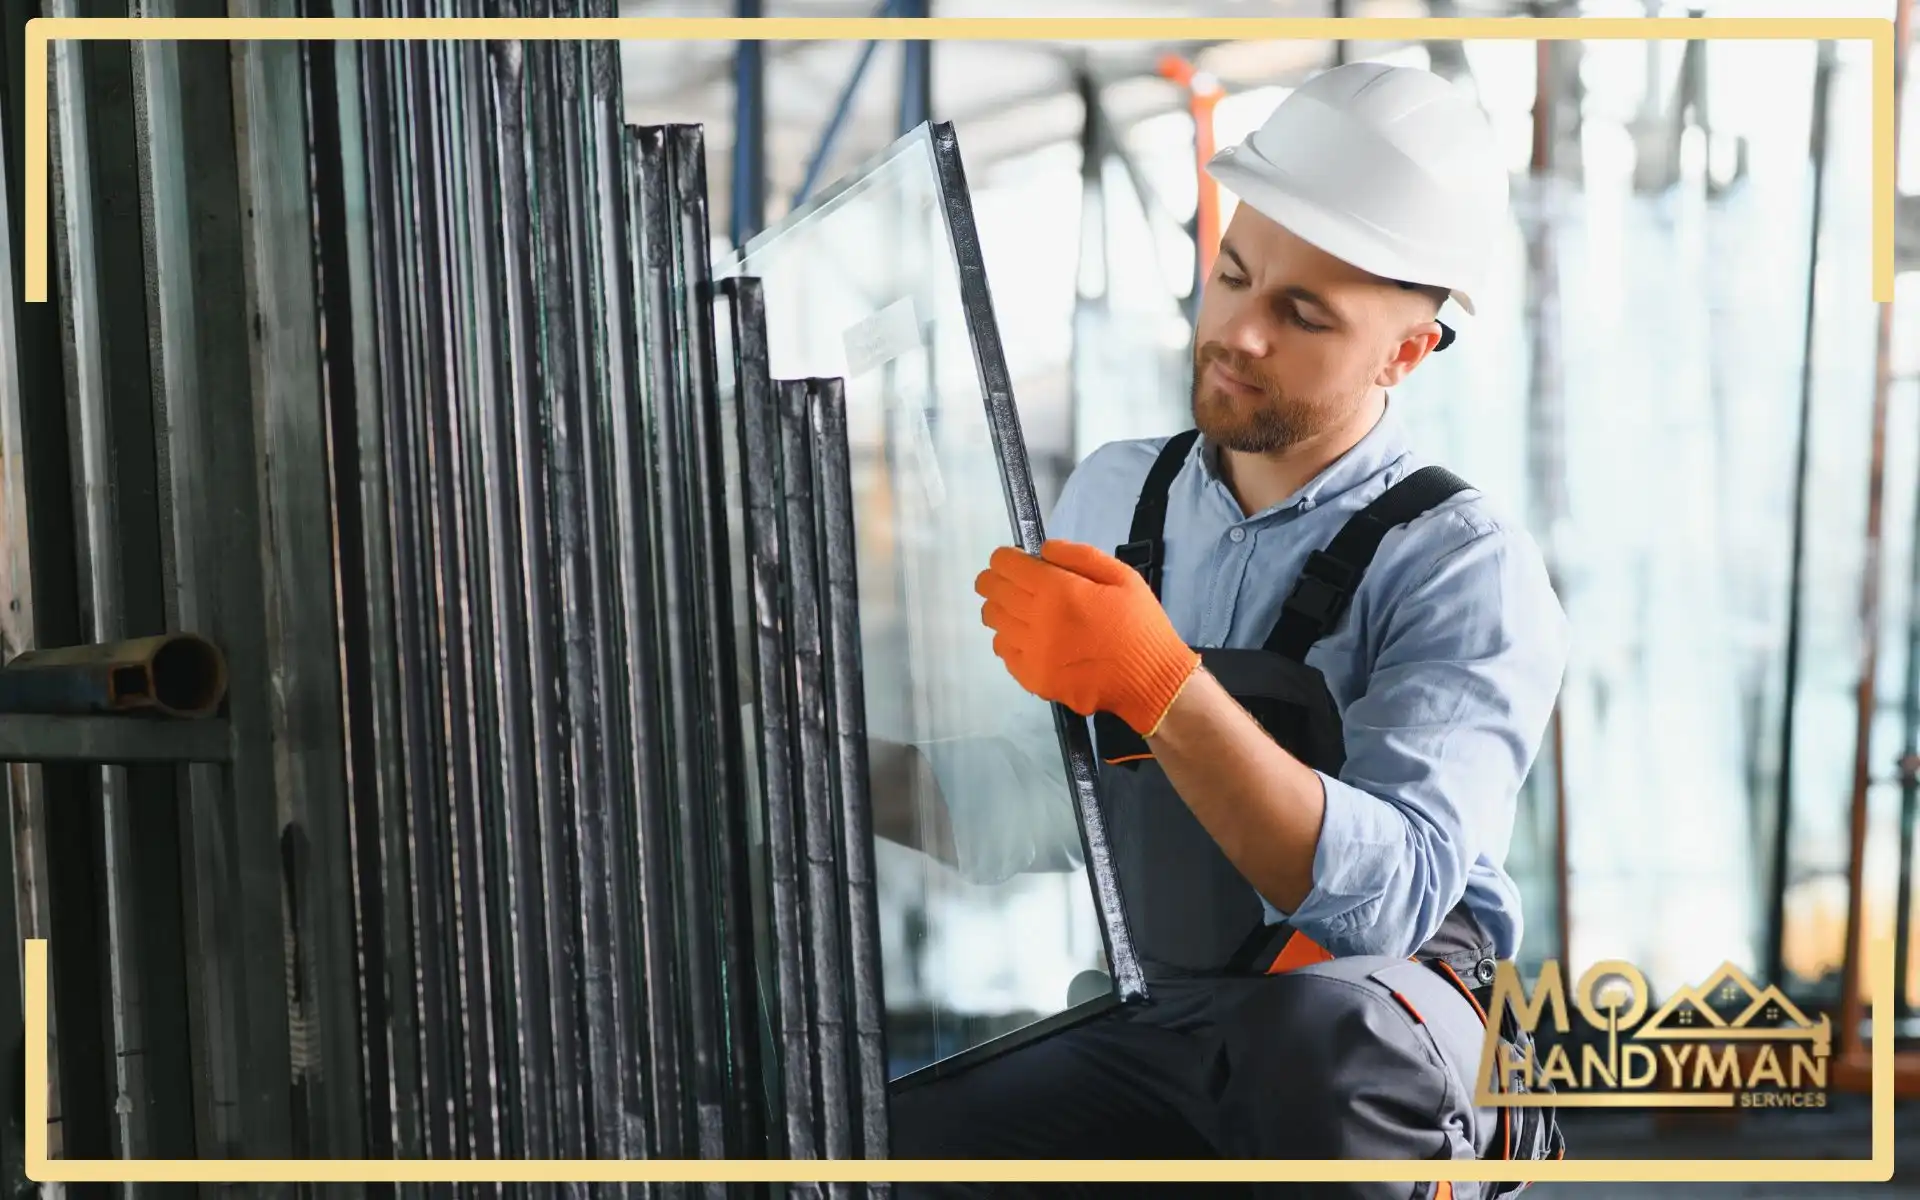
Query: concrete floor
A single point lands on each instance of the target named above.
(1842, 1131)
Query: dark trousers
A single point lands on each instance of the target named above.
(1358, 1058)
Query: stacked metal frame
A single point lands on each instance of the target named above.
(791, 493)
(161, 885)
(847, 749)
(910, 322)
(824, 935)
(548, 890)
(497, 399)
(552, 885)
(1023, 504)
(527, 884)
(761, 503)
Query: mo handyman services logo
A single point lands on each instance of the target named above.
(1723, 1044)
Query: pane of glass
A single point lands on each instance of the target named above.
(993, 928)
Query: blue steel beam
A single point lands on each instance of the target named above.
(916, 71)
(749, 133)
(830, 135)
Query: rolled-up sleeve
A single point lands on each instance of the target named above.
(1008, 804)
(1006, 791)
(1468, 666)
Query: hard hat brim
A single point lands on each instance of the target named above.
(1257, 184)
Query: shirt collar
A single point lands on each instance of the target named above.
(1383, 446)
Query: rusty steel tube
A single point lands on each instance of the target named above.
(172, 675)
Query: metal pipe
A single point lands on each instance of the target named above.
(1866, 700)
(1796, 559)
(1909, 771)
(42, 738)
(276, 191)
(1093, 268)
(1203, 97)
(174, 675)
(1547, 476)
(20, 784)
(1110, 146)
(1541, 160)
(916, 71)
(749, 184)
(842, 108)
(847, 718)
(88, 898)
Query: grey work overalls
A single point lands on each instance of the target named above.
(1253, 1043)
(1188, 907)
(1195, 916)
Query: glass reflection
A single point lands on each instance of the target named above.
(987, 926)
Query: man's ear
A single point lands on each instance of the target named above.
(1410, 353)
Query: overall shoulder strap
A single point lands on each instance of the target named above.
(1142, 551)
(1330, 577)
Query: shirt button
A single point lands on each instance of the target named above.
(1238, 534)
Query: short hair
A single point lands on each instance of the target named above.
(1432, 291)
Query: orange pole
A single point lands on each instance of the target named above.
(1203, 96)
(1852, 1002)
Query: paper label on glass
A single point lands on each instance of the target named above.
(882, 337)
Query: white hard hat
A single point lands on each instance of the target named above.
(1388, 168)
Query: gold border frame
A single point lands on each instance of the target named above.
(41, 1169)
(41, 32)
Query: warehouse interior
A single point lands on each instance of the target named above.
(288, 390)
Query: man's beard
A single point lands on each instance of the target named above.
(1261, 424)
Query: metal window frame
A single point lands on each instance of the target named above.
(1025, 519)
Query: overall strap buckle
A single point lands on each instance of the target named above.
(1324, 589)
(1331, 577)
(1145, 557)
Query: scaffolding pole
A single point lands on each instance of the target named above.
(1852, 1004)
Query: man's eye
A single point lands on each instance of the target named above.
(1232, 280)
(1305, 324)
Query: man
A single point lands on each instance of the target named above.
(1326, 788)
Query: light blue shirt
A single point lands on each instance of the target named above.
(1445, 669)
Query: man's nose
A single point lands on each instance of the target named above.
(1247, 332)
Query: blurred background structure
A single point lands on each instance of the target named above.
(1680, 380)
(1683, 384)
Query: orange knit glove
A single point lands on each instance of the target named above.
(1078, 627)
